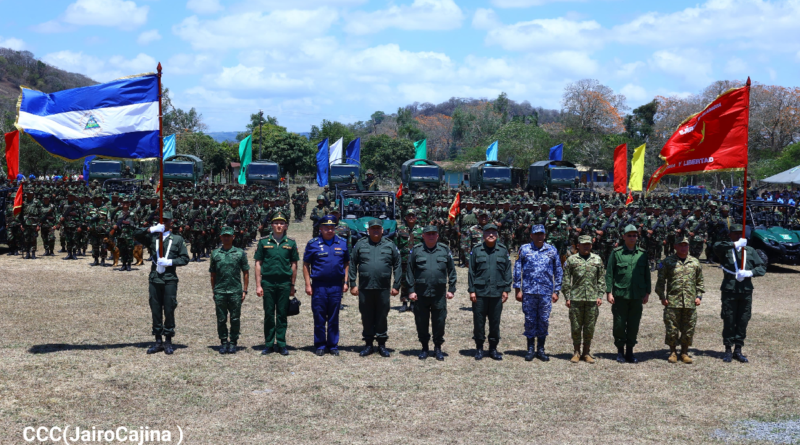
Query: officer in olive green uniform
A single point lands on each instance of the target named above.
(489, 285)
(680, 288)
(583, 285)
(276, 273)
(374, 259)
(628, 287)
(432, 281)
(163, 279)
(228, 264)
(737, 290)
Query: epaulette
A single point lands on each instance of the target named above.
(618, 248)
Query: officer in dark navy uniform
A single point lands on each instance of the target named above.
(326, 263)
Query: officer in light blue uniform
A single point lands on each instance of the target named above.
(326, 264)
(537, 281)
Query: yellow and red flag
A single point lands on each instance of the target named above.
(455, 209)
(714, 139)
(18, 199)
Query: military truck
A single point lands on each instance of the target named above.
(183, 168)
(494, 175)
(416, 173)
(263, 172)
(340, 174)
(357, 209)
(769, 233)
(548, 176)
(103, 169)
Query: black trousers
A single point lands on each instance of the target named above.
(373, 304)
(163, 301)
(483, 308)
(736, 312)
(431, 310)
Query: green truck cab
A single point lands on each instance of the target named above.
(494, 175)
(416, 173)
(357, 209)
(263, 172)
(103, 169)
(548, 176)
(183, 168)
(769, 233)
(340, 174)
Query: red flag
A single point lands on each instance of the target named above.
(621, 169)
(455, 209)
(713, 139)
(18, 201)
(399, 192)
(12, 154)
(630, 199)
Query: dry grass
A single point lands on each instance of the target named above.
(73, 352)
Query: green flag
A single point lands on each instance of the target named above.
(421, 148)
(245, 156)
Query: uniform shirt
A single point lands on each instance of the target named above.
(431, 272)
(489, 271)
(584, 278)
(538, 271)
(227, 265)
(327, 262)
(177, 253)
(680, 281)
(628, 273)
(374, 263)
(276, 258)
(730, 260)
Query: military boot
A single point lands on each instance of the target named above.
(158, 347)
(685, 355)
(629, 357)
(411, 307)
(129, 270)
(27, 255)
(437, 352)
(103, 262)
(424, 353)
(223, 347)
(96, 261)
(62, 249)
(673, 355)
(404, 307)
(728, 356)
(737, 354)
(576, 356)
(368, 350)
(540, 350)
(168, 348)
(231, 347)
(382, 351)
(493, 353)
(587, 355)
(531, 350)
(479, 350)
(33, 254)
(620, 354)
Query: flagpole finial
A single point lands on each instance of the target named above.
(159, 67)
(748, 81)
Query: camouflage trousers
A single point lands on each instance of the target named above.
(48, 236)
(29, 236)
(582, 318)
(404, 283)
(298, 212)
(98, 246)
(696, 248)
(125, 246)
(680, 324)
(71, 238)
(507, 238)
(654, 251)
(466, 247)
(537, 314)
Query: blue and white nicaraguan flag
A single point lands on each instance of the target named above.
(118, 119)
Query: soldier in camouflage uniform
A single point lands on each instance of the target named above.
(506, 223)
(31, 213)
(697, 229)
(99, 228)
(680, 287)
(195, 229)
(583, 285)
(125, 227)
(654, 233)
(317, 213)
(467, 218)
(407, 236)
(71, 221)
(48, 220)
(227, 266)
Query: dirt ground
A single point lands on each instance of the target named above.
(73, 353)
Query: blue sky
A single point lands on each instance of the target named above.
(307, 60)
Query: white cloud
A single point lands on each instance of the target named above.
(526, 3)
(256, 79)
(113, 13)
(204, 6)
(98, 69)
(634, 93)
(736, 66)
(255, 29)
(52, 27)
(773, 75)
(180, 64)
(629, 69)
(148, 37)
(690, 65)
(12, 43)
(436, 15)
(546, 34)
(485, 19)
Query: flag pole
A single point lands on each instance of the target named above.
(160, 162)
(747, 161)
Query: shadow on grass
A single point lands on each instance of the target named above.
(642, 356)
(774, 268)
(59, 347)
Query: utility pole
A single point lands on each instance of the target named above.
(260, 120)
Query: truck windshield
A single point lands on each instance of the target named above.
(106, 167)
(563, 173)
(496, 173)
(344, 170)
(263, 169)
(425, 172)
(180, 168)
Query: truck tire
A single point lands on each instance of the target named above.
(763, 256)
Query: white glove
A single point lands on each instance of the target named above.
(165, 262)
(157, 228)
(742, 274)
(741, 243)
(161, 269)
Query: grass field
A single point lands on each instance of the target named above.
(73, 353)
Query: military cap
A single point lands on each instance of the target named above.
(685, 207)
(725, 207)
(538, 228)
(630, 228)
(698, 209)
(335, 210)
(431, 228)
(489, 226)
(682, 240)
(279, 216)
(370, 172)
(329, 220)
(584, 239)
(411, 212)
(481, 212)
(736, 227)
(321, 198)
(375, 222)
(167, 214)
(713, 203)
(227, 230)
(558, 203)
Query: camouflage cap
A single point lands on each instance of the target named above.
(630, 228)
(431, 228)
(370, 172)
(412, 212)
(167, 214)
(682, 240)
(736, 228)
(584, 239)
(226, 231)
(725, 208)
(320, 197)
(489, 226)
(538, 228)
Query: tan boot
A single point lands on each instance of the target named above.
(685, 356)
(576, 357)
(587, 356)
(673, 356)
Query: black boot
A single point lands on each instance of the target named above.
(437, 351)
(404, 307)
(33, 254)
(103, 262)
(158, 347)
(531, 350)
(424, 354)
(493, 353)
(268, 349)
(540, 350)
(411, 307)
(62, 250)
(629, 357)
(737, 354)
(368, 350)
(620, 354)
(231, 347)
(479, 350)
(68, 257)
(96, 261)
(27, 255)
(223, 347)
(728, 356)
(382, 351)
(129, 270)
(168, 348)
